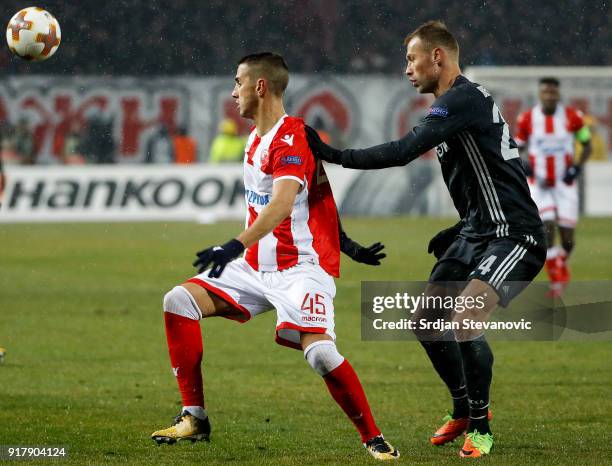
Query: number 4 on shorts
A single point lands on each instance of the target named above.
(485, 265)
(314, 305)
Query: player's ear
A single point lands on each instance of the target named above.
(261, 87)
(437, 55)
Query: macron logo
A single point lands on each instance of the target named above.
(288, 139)
(175, 371)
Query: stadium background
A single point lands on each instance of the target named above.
(86, 363)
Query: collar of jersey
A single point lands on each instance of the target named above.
(274, 128)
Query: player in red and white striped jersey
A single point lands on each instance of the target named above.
(292, 244)
(310, 232)
(547, 132)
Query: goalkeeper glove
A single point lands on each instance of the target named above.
(443, 239)
(571, 173)
(371, 255)
(219, 256)
(321, 150)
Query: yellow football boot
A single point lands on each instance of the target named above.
(380, 449)
(185, 427)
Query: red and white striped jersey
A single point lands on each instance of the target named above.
(550, 140)
(310, 233)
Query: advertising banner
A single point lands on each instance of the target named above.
(204, 193)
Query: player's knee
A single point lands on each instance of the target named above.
(323, 356)
(179, 301)
(423, 325)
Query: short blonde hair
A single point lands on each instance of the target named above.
(435, 34)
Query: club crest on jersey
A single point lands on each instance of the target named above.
(438, 111)
(265, 158)
(291, 160)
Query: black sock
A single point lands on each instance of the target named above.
(446, 359)
(478, 368)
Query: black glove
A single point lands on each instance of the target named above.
(321, 150)
(527, 168)
(370, 255)
(571, 173)
(443, 239)
(220, 256)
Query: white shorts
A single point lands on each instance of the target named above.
(302, 296)
(558, 203)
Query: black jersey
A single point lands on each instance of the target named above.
(480, 161)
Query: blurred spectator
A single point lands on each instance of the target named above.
(199, 38)
(185, 147)
(227, 146)
(160, 148)
(23, 142)
(7, 145)
(319, 127)
(98, 145)
(71, 150)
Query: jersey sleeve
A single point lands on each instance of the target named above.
(521, 136)
(452, 112)
(290, 156)
(577, 125)
(575, 120)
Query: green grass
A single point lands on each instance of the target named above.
(87, 364)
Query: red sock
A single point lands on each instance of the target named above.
(564, 274)
(552, 269)
(185, 347)
(345, 388)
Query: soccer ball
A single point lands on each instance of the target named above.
(33, 34)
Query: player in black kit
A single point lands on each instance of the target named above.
(499, 239)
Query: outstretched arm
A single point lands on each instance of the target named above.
(396, 153)
(447, 116)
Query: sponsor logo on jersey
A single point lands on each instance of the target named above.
(255, 198)
(291, 160)
(550, 145)
(438, 111)
(288, 139)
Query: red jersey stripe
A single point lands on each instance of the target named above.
(252, 150)
(550, 170)
(549, 124)
(252, 254)
(286, 251)
(325, 222)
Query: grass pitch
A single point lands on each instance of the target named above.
(87, 364)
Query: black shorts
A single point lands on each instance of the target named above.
(506, 264)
